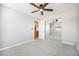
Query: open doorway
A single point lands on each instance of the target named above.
(54, 29)
(57, 30)
(39, 29)
(36, 29)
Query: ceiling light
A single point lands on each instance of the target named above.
(41, 9)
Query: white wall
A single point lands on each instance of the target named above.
(0, 27)
(69, 24)
(69, 31)
(47, 29)
(78, 26)
(68, 14)
(42, 29)
(16, 27)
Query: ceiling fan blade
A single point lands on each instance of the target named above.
(34, 5)
(41, 6)
(35, 11)
(48, 9)
(41, 12)
(45, 4)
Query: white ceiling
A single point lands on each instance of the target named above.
(27, 9)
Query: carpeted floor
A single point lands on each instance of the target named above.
(49, 47)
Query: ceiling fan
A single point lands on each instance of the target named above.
(41, 8)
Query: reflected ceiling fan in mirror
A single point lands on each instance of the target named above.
(41, 8)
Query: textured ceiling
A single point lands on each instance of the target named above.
(27, 9)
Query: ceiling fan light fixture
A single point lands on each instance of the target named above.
(41, 9)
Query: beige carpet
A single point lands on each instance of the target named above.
(49, 47)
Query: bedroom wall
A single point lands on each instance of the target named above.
(77, 44)
(69, 30)
(16, 27)
(69, 25)
(0, 27)
(42, 29)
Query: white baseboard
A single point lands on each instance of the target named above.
(69, 43)
(77, 47)
(15, 45)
